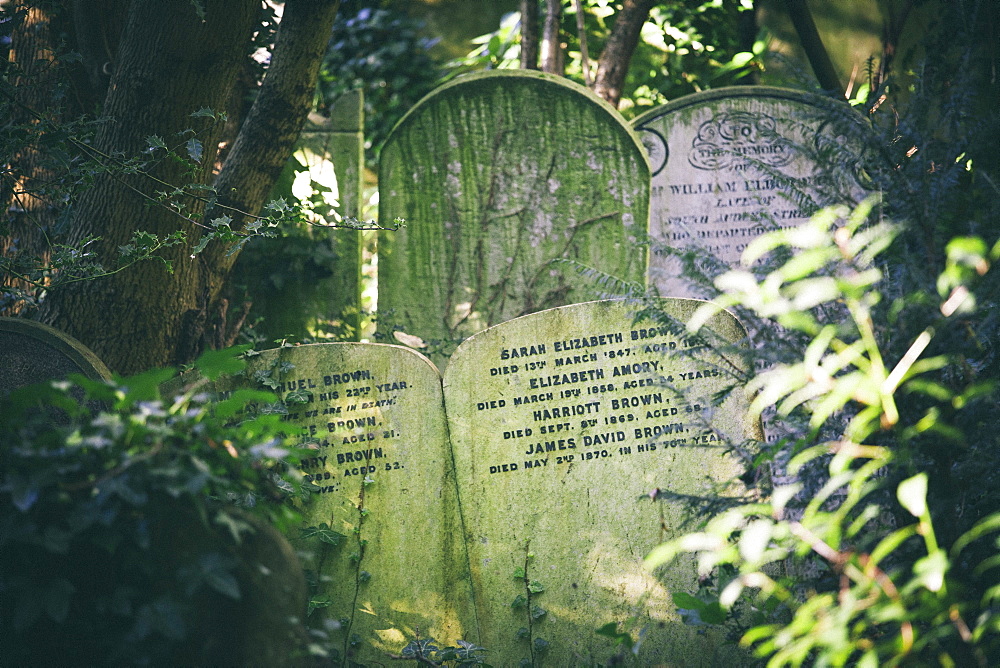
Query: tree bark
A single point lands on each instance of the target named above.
(27, 215)
(613, 64)
(267, 137)
(817, 54)
(529, 34)
(552, 61)
(171, 62)
(42, 31)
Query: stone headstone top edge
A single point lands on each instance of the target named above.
(751, 92)
(80, 355)
(542, 78)
(472, 340)
(367, 344)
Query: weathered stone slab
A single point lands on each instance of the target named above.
(31, 352)
(339, 142)
(731, 163)
(374, 415)
(560, 421)
(497, 174)
(319, 295)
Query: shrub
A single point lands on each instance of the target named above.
(137, 528)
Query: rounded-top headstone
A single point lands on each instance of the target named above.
(31, 352)
(561, 421)
(731, 163)
(497, 174)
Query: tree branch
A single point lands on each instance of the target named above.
(529, 34)
(819, 57)
(551, 48)
(272, 126)
(613, 65)
(581, 29)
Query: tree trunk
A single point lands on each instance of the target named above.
(172, 62)
(529, 34)
(819, 57)
(29, 211)
(552, 56)
(26, 215)
(613, 65)
(265, 141)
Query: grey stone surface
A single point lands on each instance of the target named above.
(731, 163)
(31, 352)
(561, 421)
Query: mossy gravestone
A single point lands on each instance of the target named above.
(374, 416)
(31, 352)
(496, 174)
(525, 530)
(732, 163)
(561, 422)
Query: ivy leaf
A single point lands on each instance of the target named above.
(536, 587)
(263, 376)
(610, 630)
(194, 149)
(322, 533)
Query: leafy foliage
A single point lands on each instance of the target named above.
(122, 515)
(684, 47)
(381, 52)
(876, 594)
(878, 545)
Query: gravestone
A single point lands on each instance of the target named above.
(374, 416)
(560, 422)
(31, 352)
(338, 142)
(324, 281)
(732, 163)
(505, 509)
(496, 175)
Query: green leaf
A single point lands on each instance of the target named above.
(145, 386)
(931, 569)
(322, 533)
(194, 149)
(912, 494)
(536, 587)
(226, 362)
